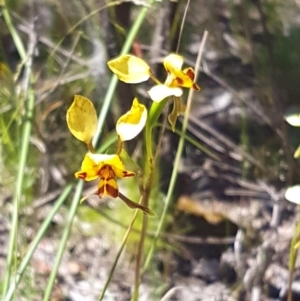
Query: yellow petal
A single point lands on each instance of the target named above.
(297, 153)
(107, 184)
(185, 79)
(93, 163)
(122, 173)
(160, 92)
(173, 61)
(90, 167)
(82, 119)
(181, 78)
(130, 124)
(115, 163)
(130, 69)
(176, 76)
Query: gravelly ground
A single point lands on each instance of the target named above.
(240, 224)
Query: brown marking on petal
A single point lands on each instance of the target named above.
(101, 191)
(128, 174)
(107, 189)
(106, 172)
(81, 175)
(179, 81)
(190, 73)
(112, 191)
(196, 87)
(107, 184)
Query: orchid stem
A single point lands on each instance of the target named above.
(154, 113)
(120, 146)
(91, 147)
(177, 157)
(118, 256)
(155, 79)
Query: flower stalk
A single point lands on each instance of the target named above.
(107, 168)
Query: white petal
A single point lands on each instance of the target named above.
(128, 131)
(292, 194)
(160, 92)
(173, 60)
(97, 158)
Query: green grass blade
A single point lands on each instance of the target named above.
(193, 142)
(13, 32)
(64, 240)
(40, 234)
(118, 255)
(176, 162)
(27, 127)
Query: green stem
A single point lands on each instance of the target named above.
(154, 78)
(177, 159)
(154, 113)
(145, 202)
(139, 256)
(101, 121)
(91, 147)
(63, 240)
(27, 126)
(14, 34)
(118, 255)
(120, 146)
(18, 192)
(40, 234)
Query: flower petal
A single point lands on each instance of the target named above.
(130, 124)
(292, 117)
(107, 184)
(173, 61)
(102, 159)
(108, 187)
(160, 92)
(90, 167)
(93, 164)
(297, 153)
(178, 108)
(292, 194)
(183, 78)
(82, 119)
(130, 69)
(176, 76)
(191, 75)
(117, 166)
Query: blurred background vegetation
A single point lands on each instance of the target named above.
(236, 165)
